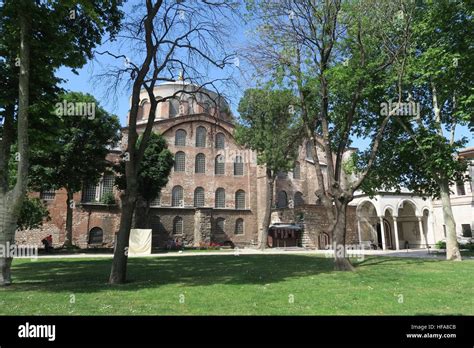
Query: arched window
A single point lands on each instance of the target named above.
(220, 198)
(240, 199)
(180, 137)
(219, 165)
(282, 200)
(174, 107)
(220, 141)
(239, 226)
(177, 197)
(200, 163)
(199, 197)
(238, 166)
(297, 171)
(298, 199)
(179, 161)
(201, 136)
(309, 151)
(178, 225)
(220, 225)
(143, 110)
(96, 235)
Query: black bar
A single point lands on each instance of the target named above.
(211, 330)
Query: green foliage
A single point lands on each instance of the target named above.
(440, 244)
(33, 213)
(75, 149)
(269, 125)
(416, 152)
(59, 38)
(108, 199)
(154, 170)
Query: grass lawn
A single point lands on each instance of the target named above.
(245, 284)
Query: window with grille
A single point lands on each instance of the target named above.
(107, 185)
(220, 141)
(157, 201)
(240, 199)
(220, 224)
(179, 162)
(180, 137)
(466, 230)
(201, 136)
(309, 151)
(239, 226)
(219, 165)
(199, 197)
(48, 195)
(238, 166)
(96, 236)
(298, 199)
(177, 197)
(461, 190)
(220, 198)
(174, 107)
(89, 193)
(200, 164)
(155, 224)
(282, 200)
(282, 175)
(178, 225)
(297, 171)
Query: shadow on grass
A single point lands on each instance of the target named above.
(90, 275)
(377, 260)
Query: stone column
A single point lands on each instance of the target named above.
(202, 227)
(395, 228)
(422, 234)
(382, 230)
(359, 231)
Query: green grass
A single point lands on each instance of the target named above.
(245, 284)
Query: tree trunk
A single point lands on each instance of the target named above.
(7, 239)
(263, 240)
(10, 202)
(118, 274)
(452, 247)
(341, 262)
(68, 238)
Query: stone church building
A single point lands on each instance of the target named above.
(216, 191)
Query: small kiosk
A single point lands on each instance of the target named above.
(282, 235)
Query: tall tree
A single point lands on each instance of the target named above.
(440, 79)
(84, 133)
(169, 37)
(71, 30)
(153, 174)
(270, 126)
(337, 56)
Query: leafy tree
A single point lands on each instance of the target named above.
(78, 150)
(154, 171)
(71, 30)
(269, 125)
(33, 213)
(339, 57)
(440, 78)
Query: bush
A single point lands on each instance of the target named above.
(440, 244)
(33, 213)
(108, 198)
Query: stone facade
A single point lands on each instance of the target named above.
(193, 225)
